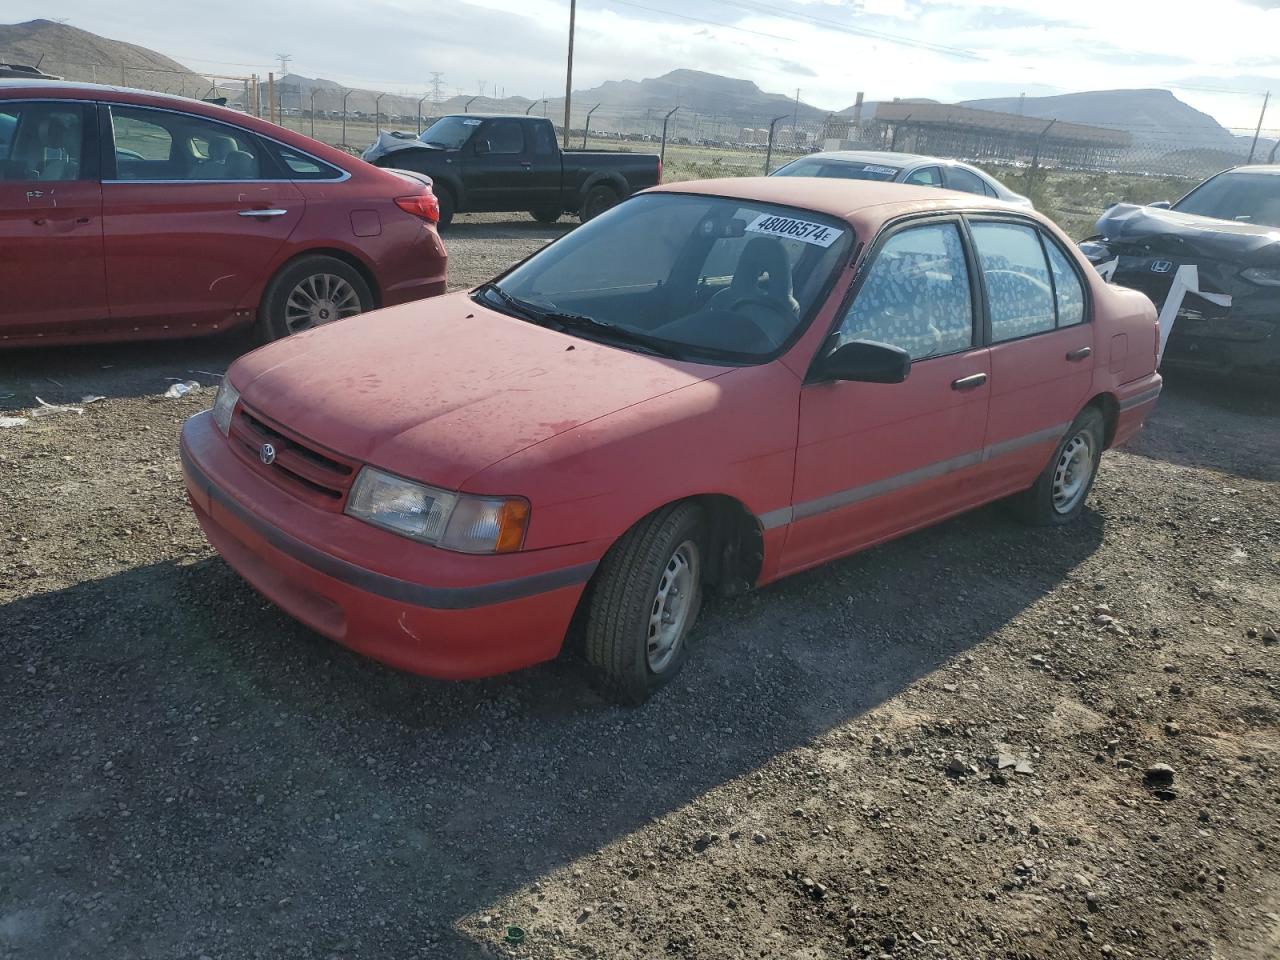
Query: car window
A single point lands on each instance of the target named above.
(41, 141)
(708, 277)
(1236, 195)
(166, 145)
(958, 178)
(450, 132)
(837, 169)
(925, 177)
(544, 138)
(504, 136)
(1066, 286)
(915, 294)
(303, 166)
(1019, 294)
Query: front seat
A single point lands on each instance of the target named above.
(240, 165)
(762, 259)
(61, 166)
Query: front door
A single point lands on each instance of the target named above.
(193, 210)
(495, 163)
(1042, 350)
(877, 460)
(51, 260)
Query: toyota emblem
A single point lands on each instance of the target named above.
(267, 454)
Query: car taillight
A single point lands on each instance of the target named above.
(424, 205)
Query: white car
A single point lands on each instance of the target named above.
(913, 168)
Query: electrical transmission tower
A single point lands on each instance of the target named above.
(284, 59)
(437, 86)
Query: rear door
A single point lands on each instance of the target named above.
(194, 211)
(1042, 350)
(541, 170)
(51, 258)
(877, 460)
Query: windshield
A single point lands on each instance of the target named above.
(449, 132)
(694, 277)
(1243, 197)
(839, 169)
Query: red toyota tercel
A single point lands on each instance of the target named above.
(711, 386)
(134, 215)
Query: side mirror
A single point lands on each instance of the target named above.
(865, 361)
(483, 146)
(1161, 204)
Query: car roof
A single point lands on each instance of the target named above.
(1271, 168)
(864, 203)
(494, 116)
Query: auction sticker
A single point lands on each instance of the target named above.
(872, 168)
(819, 234)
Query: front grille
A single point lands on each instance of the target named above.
(300, 466)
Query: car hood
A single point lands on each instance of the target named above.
(388, 143)
(440, 389)
(1174, 234)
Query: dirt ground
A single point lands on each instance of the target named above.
(943, 747)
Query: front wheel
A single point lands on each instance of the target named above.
(310, 292)
(644, 603)
(1059, 493)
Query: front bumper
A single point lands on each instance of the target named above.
(1242, 336)
(406, 604)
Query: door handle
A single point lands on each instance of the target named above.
(527, 164)
(1080, 354)
(969, 382)
(34, 194)
(275, 212)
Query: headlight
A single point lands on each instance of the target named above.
(1094, 250)
(224, 404)
(455, 521)
(1265, 276)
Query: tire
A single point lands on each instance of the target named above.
(448, 207)
(545, 216)
(597, 200)
(637, 588)
(1059, 493)
(320, 284)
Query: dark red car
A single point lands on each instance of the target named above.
(126, 214)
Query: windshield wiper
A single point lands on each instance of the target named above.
(550, 316)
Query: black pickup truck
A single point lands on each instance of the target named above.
(488, 162)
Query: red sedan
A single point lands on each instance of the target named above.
(710, 386)
(126, 214)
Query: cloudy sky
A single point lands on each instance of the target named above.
(1219, 56)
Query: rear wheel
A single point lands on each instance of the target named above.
(1059, 493)
(644, 603)
(545, 216)
(310, 292)
(597, 200)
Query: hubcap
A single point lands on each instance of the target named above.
(318, 299)
(1072, 473)
(672, 606)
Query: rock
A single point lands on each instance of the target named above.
(759, 837)
(1270, 637)
(1159, 775)
(1024, 767)
(1092, 901)
(1104, 619)
(957, 766)
(950, 687)
(1172, 729)
(1102, 609)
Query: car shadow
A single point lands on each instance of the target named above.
(239, 782)
(67, 375)
(1230, 424)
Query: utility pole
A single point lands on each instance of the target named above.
(314, 91)
(568, 73)
(377, 112)
(271, 97)
(345, 94)
(1254, 145)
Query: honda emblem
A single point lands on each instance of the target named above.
(1161, 266)
(267, 454)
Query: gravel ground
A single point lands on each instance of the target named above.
(949, 746)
